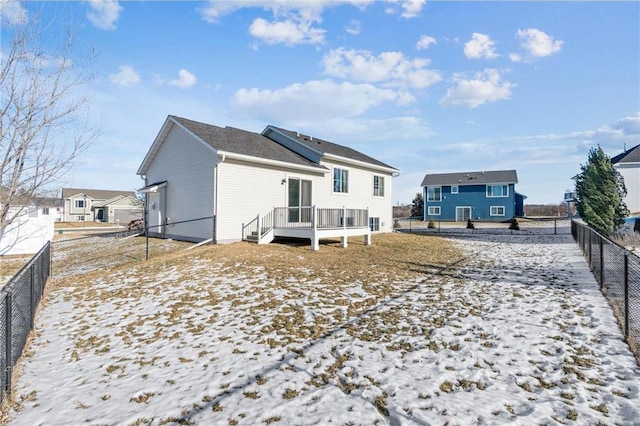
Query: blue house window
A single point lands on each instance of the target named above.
(497, 191)
(496, 211)
(433, 211)
(454, 189)
(434, 193)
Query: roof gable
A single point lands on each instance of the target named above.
(471, 178)
(229, 140)
(631, 155)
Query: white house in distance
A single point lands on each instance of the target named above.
(31, 229)
(82, 205)
(628, 165)
(205, 182)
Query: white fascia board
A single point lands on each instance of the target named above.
(392, 171)
(258, 160)
(153, 188)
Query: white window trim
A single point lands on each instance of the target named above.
(430, 212)
(504, 210)
(454, 187)
(79, 200)
(496, 196)
(376, 222)
(348, 180)
(434, 201)
(374, 186)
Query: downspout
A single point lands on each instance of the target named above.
(215, 200)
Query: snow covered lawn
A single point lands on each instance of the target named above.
(514, 332)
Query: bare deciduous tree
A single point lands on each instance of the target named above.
(44, 116)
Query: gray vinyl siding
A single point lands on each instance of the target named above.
(187, 166)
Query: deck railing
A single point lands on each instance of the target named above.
(310, 217)
(320, 218)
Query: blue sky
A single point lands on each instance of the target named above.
(427, 87)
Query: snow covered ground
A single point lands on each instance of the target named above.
(517, 332)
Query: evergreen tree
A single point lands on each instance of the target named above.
(417, 206)
(600, 192)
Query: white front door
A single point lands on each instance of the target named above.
(154, 213)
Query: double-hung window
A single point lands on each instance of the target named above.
(434, 193)
(80, 204)
(340, 180)
(374, 224)
(378, 186)
(433, 211)
(496, 211)
(497, 191)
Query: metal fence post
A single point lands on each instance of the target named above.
(32, 303)
(590, 251)
(601, 262)
(626, 296)
(9, 363)
(146, 232)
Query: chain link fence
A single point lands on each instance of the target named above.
(77, 256)
(617, 270)
(19, 300)
(522, 226)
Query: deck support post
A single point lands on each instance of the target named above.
(367, 240)
(343, 242)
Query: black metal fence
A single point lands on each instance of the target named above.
(617, 270)
(19, 300)
(549, 226)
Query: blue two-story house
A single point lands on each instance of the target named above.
(489, 196)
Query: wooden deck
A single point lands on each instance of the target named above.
(313, 223)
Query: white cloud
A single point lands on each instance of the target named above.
(13, 12)
(481, 88)
(412, 8)
(288, 32)
(354, 27)
(628, 125)
(610, 137)
(295, 21)
(480, 47)
(125, 76)
(184, 81)
(425, 42)
(537, 43)
(320, 99)
(514, 57)
(104, 13)
(392, 69)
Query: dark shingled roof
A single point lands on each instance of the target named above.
(471, 178)
(629, 156)
(327, 147)
(232, 140)
(96, 194)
